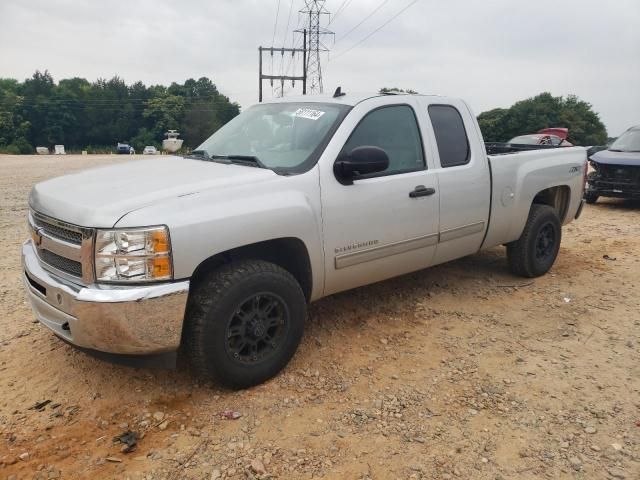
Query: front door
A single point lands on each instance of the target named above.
(385, 224)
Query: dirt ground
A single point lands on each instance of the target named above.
(461, 371)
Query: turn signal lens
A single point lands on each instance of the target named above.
(161, 266)
(160, 241)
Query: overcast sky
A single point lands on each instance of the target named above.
(491, 52)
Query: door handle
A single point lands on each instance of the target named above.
(422, 191)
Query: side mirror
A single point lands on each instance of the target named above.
(360, 161)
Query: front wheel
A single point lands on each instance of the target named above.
(244, 322)
(536, 250)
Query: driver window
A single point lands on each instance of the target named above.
(395, 130)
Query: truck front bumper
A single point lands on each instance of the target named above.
(130, 320)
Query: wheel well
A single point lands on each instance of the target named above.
(288, 253)
(557, 198)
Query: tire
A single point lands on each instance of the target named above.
(590, 197)
(243, 323)
(536, 250)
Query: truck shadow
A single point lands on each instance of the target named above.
(402, 293)
(344, 312)
(617, 204)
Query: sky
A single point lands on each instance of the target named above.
(492, 53)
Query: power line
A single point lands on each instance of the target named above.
(100, 102)
(375, 31)
(134, 109)
(295, 32)
(364, 20)
(340, 10)
(273, 39)
(275, 25)
(284, 40)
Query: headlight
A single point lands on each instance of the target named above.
(133, 255)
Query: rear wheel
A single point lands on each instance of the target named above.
(536, 250)
(244, 323)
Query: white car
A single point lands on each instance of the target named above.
(150, 150)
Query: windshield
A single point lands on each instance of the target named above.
(285, 137)
(629, 141)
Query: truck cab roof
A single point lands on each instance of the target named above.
(347, 98)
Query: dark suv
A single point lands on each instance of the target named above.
(124, 148)
(617, 169)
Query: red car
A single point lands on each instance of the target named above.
(546, 136)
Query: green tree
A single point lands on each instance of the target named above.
(164, 113)
(544, 111)
(97, 115)
(200, 121)
(145, 137)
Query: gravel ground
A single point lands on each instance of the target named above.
(460, 371)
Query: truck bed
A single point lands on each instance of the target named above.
(497, 148)
(519, 176)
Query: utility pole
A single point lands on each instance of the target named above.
(315, 9)
(283, 78)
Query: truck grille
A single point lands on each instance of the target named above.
(61, 263)
(66, 234)
(620, 173)
(65, 247)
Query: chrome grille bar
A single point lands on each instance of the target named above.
(63, 248)
(55, 228)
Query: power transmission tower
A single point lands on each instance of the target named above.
(315, 9)
(282, 78)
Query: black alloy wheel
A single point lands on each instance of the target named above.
(545, 242)
(244, 321)
(534, 253)
(257, 328)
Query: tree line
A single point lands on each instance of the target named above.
(535, 113)
(94, 116)
(544, 111)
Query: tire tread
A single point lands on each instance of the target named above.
(209, 291)
(518, 253)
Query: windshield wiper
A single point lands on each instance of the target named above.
(199, 154)
(249, 160)
(615, 150)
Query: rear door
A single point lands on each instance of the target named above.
(463, 177)
(376, 228)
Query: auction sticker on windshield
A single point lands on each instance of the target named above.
(308, 113)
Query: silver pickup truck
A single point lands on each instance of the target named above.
(216, 255)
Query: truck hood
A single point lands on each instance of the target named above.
(101, 196)
(607, 157)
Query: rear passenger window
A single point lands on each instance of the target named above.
(395, 130)
(451, 136)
